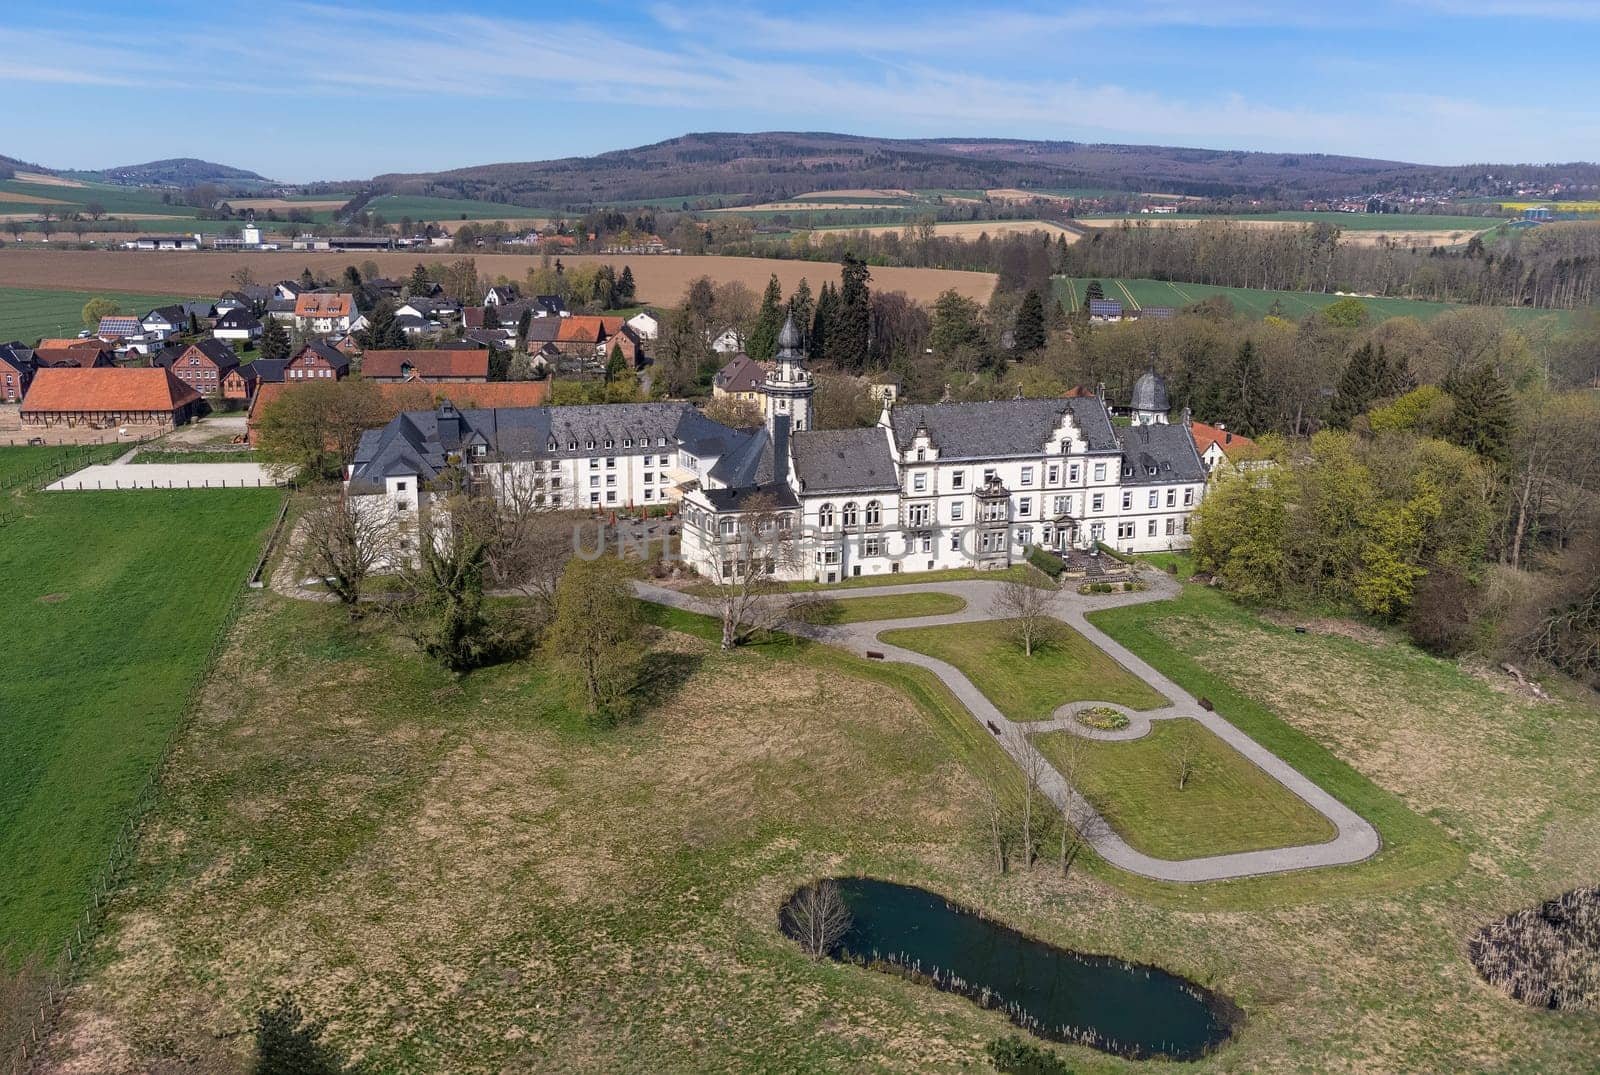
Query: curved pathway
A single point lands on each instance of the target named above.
(1355, 840)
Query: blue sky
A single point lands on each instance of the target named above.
(302, 91)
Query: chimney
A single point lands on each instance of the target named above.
(780, 449)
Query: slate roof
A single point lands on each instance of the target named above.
(742, 374)
(269, 370)
(220, 354)
(238, 318)
(426, 437)
(1150, 393)
(1001, 428)
(844, 461)
(1159, 454)
(327, 351)
(544, 329)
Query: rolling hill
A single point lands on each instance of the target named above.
(776, 165)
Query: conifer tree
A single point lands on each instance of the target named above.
(625, 287)
(763, 341)
(801, 308)
(1028, 332)
(274, 340)
(851, 330)
(1481, 420)
(822, 323)
(1364, 380)
(288, 1044)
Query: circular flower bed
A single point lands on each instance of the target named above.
(1102, 719)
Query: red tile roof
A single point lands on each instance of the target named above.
(67, 390)
(425, 364)
(1207, 435)
(71, 356)
(581, 329)
(74, 341)
(315, 304)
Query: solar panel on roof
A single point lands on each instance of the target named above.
(1105, 307)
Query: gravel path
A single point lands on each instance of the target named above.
(1356, 839)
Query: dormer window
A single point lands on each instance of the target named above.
(608, 443)
(552, 446)
(921, 455)
(572, 445)
(627, 442)
(591, 444)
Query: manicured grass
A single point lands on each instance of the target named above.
(1227, 804)
(1259, 303)
(27, 314)
(156, 455)
(111, 602)
(890, 607)
(1068, 669)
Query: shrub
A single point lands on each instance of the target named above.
(1546, 956)
(287, 1043)
(1018, 1056)
(1442, 613)
(1103, 718)
(1046, 561)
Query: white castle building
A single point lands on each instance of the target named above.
(929, 487)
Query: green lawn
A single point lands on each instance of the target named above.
(1259, 303)
(27, 314)
(111, 603)
(890, 607)
(232, 455)
(1227, 803)
(1069, 669)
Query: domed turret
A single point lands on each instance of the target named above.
(789, 386)
(1149, 403)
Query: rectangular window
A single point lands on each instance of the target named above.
(594, 464)
(594, 498)
(919, 483)
(611, 479)
(1063, 506)
(957, 510)
(1151, 528)
(649, 478)
(927, 544)
(1027, 475)
(1099, 472)
(1171, 526)
(1188, 498)
(1172, 498)
(1155, 498)
(611, 496)
(611, 462)
(917, 514)
(1099, 503)
(955, 542)
(958, 480)
(988, 475)
(1072, 473)
(1188, 520)
(872, 546)
(1127, 501)
(1052, 475)
(1125, 530)
(594, 481)
(1025, 507)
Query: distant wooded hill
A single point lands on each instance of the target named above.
(780, 164)
(176, 172)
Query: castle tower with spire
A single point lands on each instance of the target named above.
(789, 387)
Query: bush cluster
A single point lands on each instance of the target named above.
(1546, 956)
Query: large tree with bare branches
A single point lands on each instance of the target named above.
(1025, 608)
(346, 541)
(744, 566)
(817, 917)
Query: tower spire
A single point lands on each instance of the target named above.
(789, 386)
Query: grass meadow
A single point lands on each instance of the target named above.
(1261, 303)
(466, 875)
(111, 604)
(27, 314)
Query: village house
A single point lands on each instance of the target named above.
(164, 322)
(728, 342)
(646, 324)
(202, 366)
(17, 368)
(240, 383)
(741, 378)
(445, 366)
(316, 361)
(239, 324)
(1216, 444)
(324, 312)
(76, 357)
(107, 398)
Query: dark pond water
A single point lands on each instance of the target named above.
(1117, 1007)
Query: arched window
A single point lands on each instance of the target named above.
(825, 517)
(874, 513)
(850, 519)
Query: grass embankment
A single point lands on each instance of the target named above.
(198, 455)
(1227, 803)
(903, 606)
(467, 876)
(111, 604)
(1066, 669)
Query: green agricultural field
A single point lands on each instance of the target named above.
(1067, 669)
(27, 314)
(394, 206)
(1259, 303)
(113, 199)
(112, 602)
(1382, 222)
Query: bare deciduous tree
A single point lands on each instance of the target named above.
(1080, 822)
(346, 541)
(817, 918)
(1184, 751)
(997, 824)
(1026, 611)
(1033, 767)
(744, 565)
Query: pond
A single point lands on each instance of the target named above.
(1108, 1004)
